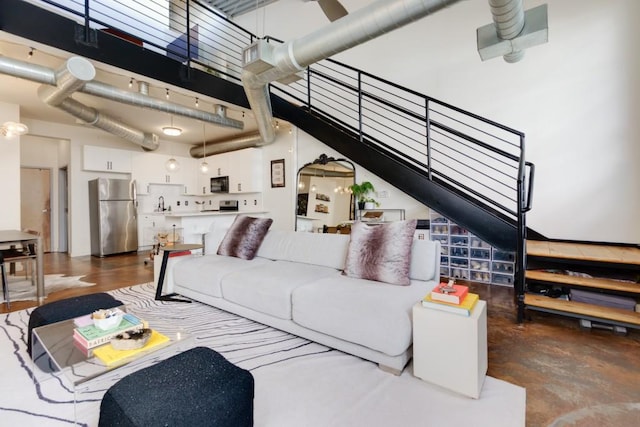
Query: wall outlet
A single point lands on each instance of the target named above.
(244, 202)
(178, 203)
(420, 236)
(255, 202)
(186, 203)
(209, 201)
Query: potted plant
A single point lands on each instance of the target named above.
(361, 191)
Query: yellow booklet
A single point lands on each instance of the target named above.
(465, 308)
(111, 356)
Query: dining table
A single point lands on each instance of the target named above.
(18, 237)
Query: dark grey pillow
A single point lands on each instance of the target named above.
(381, 252)
(244, 237)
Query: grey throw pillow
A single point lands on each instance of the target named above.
(381, 252)
(244, 237)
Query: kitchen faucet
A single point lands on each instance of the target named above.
(161, 204)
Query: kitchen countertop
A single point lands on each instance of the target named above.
(202, 213)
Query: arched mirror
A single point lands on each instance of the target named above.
(324, 201)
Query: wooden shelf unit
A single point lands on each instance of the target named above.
(563, 255)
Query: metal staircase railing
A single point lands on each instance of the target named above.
(479, 159)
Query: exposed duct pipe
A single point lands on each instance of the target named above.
(148, 141)
(253, 139)
(142, 100)
(513, 30)
(264, 63)
(40, 74)
(70, 78)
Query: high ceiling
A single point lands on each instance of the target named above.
(233, 8)
(23, 92)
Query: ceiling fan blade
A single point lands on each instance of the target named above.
(333, 9)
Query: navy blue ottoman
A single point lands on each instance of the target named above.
(198, 387)
(68, 308)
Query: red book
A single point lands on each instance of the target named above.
(439, 293)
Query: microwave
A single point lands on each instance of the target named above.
(220, 184)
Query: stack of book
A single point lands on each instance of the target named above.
(86, 336)
(451, 298)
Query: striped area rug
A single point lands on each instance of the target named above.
(298, 382)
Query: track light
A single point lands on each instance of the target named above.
(131, 83)
(30, 54)
(167, 95)
(197, 102)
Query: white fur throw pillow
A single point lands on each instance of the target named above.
(244, 237)
(381, 252)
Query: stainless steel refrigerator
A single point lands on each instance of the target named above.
(112, 215)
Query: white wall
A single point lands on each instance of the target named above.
(10, 171)
(577, 98)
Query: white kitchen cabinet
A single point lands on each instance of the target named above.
(219, 164)
(246, 171)
(149, 168)
(104, 159)
(147, 226)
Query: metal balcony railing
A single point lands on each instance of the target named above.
(476, 157)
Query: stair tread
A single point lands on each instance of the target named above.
(591, 282)
(584, 252)
(600, 312)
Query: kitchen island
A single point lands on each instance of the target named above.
(195, 224)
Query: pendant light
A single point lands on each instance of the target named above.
(204, 166)
(172, 165)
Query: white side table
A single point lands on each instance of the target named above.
(450, 350)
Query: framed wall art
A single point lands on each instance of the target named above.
(277, 173)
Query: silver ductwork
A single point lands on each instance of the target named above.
(283, 61)
(513, 30)
(44, 75)
(148, 141)
(508, 17)
(70, 78)
(248, 140)
(138, 99)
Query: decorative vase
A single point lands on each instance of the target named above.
(369, 205)
(361, 205)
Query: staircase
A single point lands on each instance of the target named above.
(614, 271)
(466, 167)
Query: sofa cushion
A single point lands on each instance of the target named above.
(244, 237)
(204, 273)
(425, 256)
(381, 252)
(267, 288)
(329, 250)
(372, 314)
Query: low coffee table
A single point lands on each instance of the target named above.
(54, 353)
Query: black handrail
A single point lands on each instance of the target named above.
(441, 140)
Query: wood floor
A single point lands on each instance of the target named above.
(562, 367)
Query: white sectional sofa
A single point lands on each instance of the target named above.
(295, 283)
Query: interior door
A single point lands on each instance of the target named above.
(35, 202)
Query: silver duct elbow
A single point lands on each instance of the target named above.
(508, 17)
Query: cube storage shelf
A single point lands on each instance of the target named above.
(465, 256)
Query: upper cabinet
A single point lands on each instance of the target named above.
(246, 167)
(243, 167)
(149, 168)
(105, 159)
